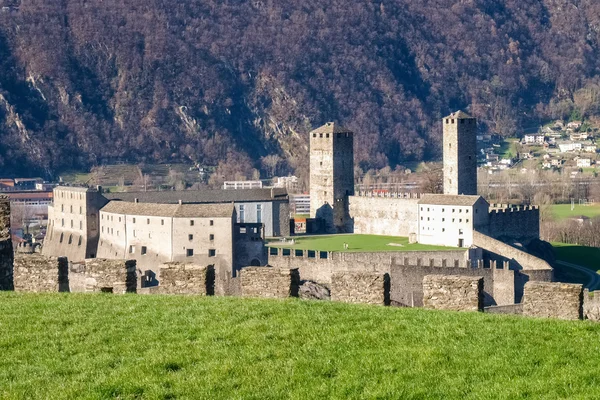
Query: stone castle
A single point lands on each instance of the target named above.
(212, 242)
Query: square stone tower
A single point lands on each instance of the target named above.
(332, 176)
(460, 154)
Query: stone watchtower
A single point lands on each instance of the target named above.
(460, 154)
(331, 176)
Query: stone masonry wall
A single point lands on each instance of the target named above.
(383, 215)
(181, 278)
(518, 258)
(101, 275)
(319, 266)
(36, 273)
(452, 292)
(360, 287)
(518, 222)
(269, 282)
(6, 248)
(553, 300)
(591, 305)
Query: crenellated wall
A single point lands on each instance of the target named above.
(318, 266)
(453, 292)
(515, 222)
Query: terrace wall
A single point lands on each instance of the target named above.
(269, 282)
(553, 300)
(360, 287)
(181, 278)
(453, 292)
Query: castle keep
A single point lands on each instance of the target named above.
(460, 154)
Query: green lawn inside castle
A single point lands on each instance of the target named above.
(78, 346)
(356, 243)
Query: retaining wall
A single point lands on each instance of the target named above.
(101, 275)
(269, 282)
(453, 292)
(360, 287)
(519, 259)
(38, 274)
(553, 300)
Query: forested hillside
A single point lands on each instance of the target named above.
(88, 82)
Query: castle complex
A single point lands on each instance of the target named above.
(189, 234)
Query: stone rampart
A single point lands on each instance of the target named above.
(591, 305)
(101, 275)
(181, 278)
(407, 280)
(269, 282)
(6, 248)
(225, 283)
(318, 266)
(517, 222)
(553, 300)
(518, 259)
(360, 287)
(453, 292)
(39, 274)
(391, 216)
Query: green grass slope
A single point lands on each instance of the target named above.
(167, 347)
(588, 257)
(563, 211)
(356, 243)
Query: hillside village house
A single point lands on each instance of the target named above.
(584, 162)
(535, 138)
(566, 147)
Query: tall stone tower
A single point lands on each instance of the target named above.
(460, 154)
(332, 176)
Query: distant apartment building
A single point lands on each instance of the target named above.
(584, 162)
(242, 185)
(534, 139)
(579, 136)
(590, 148)
(566, 147)
(288, 182)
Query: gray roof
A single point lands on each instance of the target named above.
(459, 115)
(170, 210)
(449, 200)
(331, 127)
(202, 196)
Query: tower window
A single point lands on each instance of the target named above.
(143, 250)
(320, 135)
(190, 237)
(327, 135)
(212, 252)
(452, 121)
(191, 222)
(189, 252)
(314, 135)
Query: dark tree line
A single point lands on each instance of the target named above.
(86, 82)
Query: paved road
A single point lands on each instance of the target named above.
(594, 282)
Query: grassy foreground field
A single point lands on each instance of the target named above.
(167, 347)
(563, 211)
(356, 243)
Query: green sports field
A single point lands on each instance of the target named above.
(356, 243)
(563, 211)
(66, 346)
(588, 257)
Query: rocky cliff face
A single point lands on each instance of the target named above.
(83, 83)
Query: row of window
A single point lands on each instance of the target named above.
(242, 214)
(162, 221)
(62, 195)
(460, 231)
(460, 210)
(70, 239)
(339, 135)
(62, 209)
(444, 219)
(62, 223)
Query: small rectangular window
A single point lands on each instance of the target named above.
(211, 237)
(131, 249)
(190, 237)
(143, 250)
(191, 222)
(148, 221)
(212, 253)
(211, 223)
(189, 252)
(162, 221)
(134, 220)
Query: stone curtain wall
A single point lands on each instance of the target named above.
(36, 273)
(6, 248)
(521, 259)
(269, 282)
(180, 278)
(361, 287)
(591, 305)
(225, 283)
(453, 292)
(553, 300)
(516, 222)
(314, 268)
(100, 275)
